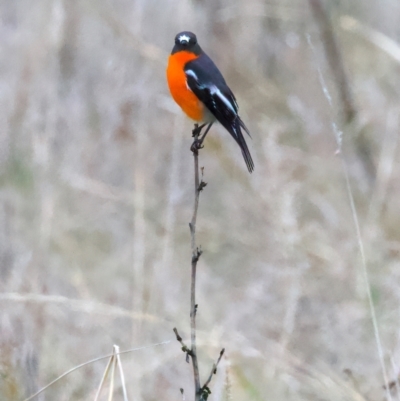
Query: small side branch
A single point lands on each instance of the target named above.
(184, 348)
(205, 391)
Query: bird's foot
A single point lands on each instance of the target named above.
(197, 145)
(197, 130)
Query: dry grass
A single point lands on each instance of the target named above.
(96, 196)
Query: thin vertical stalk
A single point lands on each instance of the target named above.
(196, 252)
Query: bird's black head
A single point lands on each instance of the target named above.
(186, 41)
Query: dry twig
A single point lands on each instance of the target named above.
(115, 352)
(201, 392)
(196, 252)
(213, 370)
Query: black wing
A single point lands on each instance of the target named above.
(207, 83)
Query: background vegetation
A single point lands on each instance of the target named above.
(96, 195)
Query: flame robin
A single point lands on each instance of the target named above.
(199, 88)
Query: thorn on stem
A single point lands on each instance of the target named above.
(196, 255)
(194, 312)
(202, 185)
(215, 369)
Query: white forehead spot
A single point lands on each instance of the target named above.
(184, 38)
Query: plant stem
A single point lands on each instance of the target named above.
(195, 257)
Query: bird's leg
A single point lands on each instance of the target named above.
(195, 134)
(197, 130)
(205, 133)
(198, 142)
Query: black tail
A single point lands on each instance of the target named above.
(236, 132)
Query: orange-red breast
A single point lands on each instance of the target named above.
(200, 90)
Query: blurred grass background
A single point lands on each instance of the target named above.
(96, 192)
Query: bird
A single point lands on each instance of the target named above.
(198, 87)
